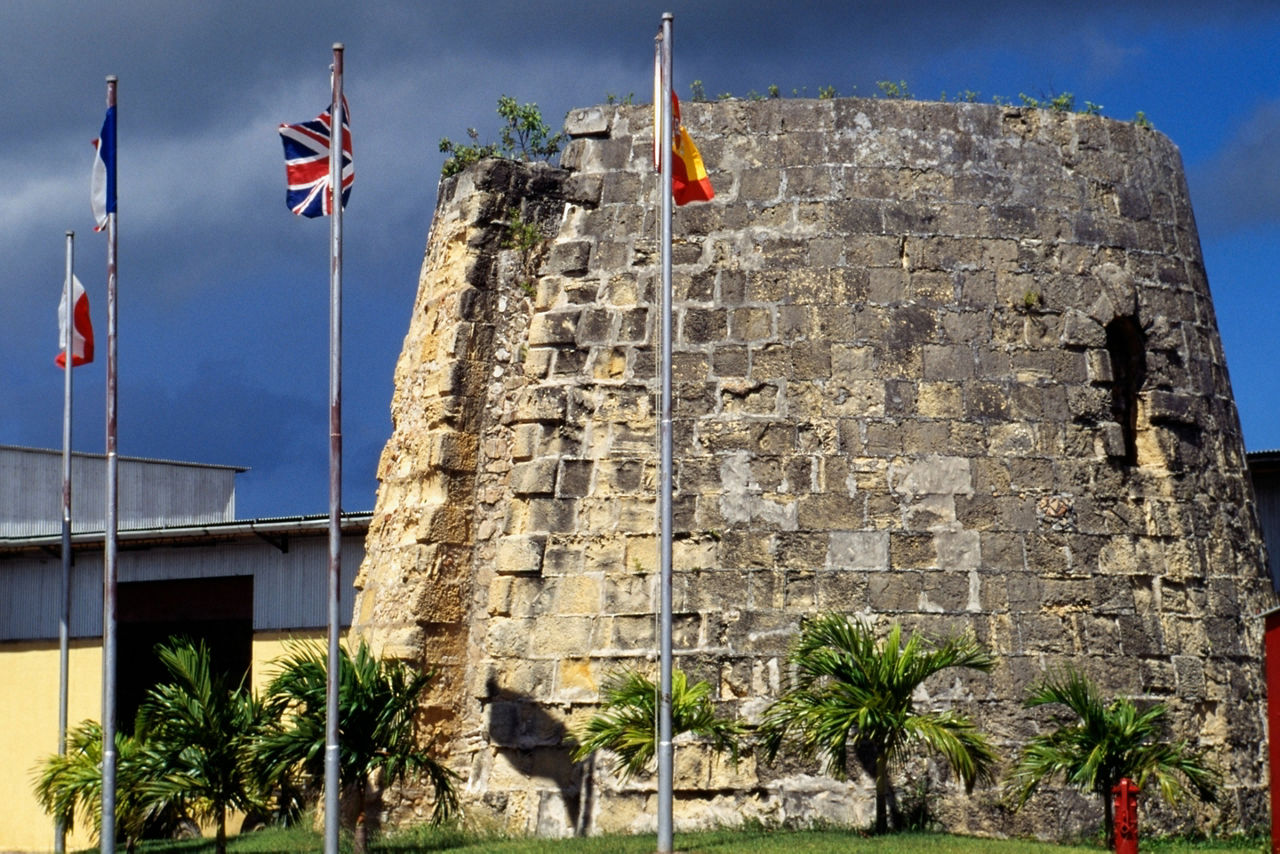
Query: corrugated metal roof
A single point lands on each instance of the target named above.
(151, 493)
(287, 558)
(264, 528)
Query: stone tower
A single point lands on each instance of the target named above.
(953, 365)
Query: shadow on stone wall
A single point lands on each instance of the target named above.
(532, 743)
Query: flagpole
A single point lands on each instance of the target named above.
(107, 837)
(331, 754)
(665, 755)
(64, 617)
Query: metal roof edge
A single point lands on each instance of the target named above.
(269, 526)
(90, 456)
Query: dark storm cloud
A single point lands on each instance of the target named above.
(224, 294)
(1240, 187)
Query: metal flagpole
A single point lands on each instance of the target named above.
(107, 839)
(64, 617)
(331, 776)
(665, 756)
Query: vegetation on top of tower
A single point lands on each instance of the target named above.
(524, 136)
(1058, 102)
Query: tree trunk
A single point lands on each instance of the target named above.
(882, 794)
(360, 833)
(220, 842)
(370, 811)
(1108, 820)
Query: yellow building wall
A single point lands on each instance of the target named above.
(269, 646)
(29, 732)
(29, 724)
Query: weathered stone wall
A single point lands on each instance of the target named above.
(954, 365)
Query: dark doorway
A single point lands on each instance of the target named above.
(218, 611)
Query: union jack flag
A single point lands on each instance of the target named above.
(306, 164)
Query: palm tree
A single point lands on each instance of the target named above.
(851, 693)
(627, 721)
(199, 731)
(70, 785)
(1103, 743)
(378, 747)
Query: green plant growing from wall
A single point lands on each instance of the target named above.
(1064, 103)
(852, 696)
(462, 155)
(627, 721)
(897, 91)
(1061, 103)
(523, 136)
(526, 238)
(1140, 119)
(521, 235)
(1098, 743)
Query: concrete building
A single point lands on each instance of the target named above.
(186, 566)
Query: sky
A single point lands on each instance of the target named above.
(223, 293)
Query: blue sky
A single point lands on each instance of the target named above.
(224, 294)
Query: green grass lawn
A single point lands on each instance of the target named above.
(728, 841)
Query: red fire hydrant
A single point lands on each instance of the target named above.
(1125, 813)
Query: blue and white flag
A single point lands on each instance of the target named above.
(306, 163)
(104, 171)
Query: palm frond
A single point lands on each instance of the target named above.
(1100, 742)
(626, 723)
(853, 695)
(377, 722)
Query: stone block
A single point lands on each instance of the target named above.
(519, 554)
(894, 592)
(932, 475)
(536, 477)
(574, 478)
(559, 327)
(911, 551)
(576, 594)
(590, 121)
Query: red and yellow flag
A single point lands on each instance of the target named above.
(689, 179)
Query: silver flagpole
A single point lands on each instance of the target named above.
(64, 617)
(331, 775)
(107, 840)
(665, 756)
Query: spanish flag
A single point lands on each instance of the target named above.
(689, 179)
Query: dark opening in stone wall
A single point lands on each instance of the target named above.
(1126, 345)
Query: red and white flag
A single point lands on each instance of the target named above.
(82, 330)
